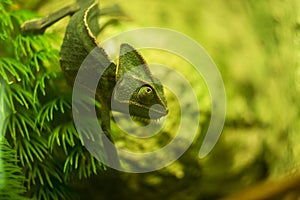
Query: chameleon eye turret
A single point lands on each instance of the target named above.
(145, 94)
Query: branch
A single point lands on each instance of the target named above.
(269, 189)
(39, 25)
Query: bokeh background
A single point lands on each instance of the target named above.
(256, 46)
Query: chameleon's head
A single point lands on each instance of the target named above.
(137, 91)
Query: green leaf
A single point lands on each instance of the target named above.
(40, 84)
(12, 70)
(31, 151)
(20, 124)
(64, 135)
(25, 46)
(46, 113)
(17, 96)
(81, 162)
(6, 24)
(11, 177)
(43, 57)
(60, 191)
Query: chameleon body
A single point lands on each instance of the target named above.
(129, 84)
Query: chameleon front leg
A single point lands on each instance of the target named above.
(39, 25)
(109, 148)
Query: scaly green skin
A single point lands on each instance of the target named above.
(132, 82)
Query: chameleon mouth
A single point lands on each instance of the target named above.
(143, 112)
(140, 112)
(143, 120)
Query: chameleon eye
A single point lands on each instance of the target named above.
(145, 94)
(148, 90)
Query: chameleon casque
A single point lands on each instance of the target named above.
(79, 40)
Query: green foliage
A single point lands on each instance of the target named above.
(43, 151)
(11, 177)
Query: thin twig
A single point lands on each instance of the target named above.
(39, 26)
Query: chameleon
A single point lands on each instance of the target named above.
(131, 76)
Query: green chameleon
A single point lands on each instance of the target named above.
(113, 87)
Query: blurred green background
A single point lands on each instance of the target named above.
(256, 46)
